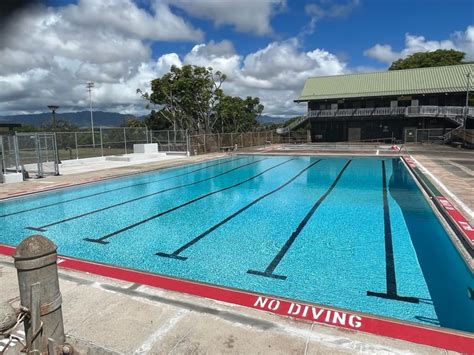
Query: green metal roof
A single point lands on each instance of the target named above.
(389, 83)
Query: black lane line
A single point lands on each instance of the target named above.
(103, 240)
(391, 278)
(223, 161)
(42, 228)
(274, 263)
(175, 254)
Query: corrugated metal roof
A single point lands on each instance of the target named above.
(389, 83)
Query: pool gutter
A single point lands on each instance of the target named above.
(309, 312)
(451, 214)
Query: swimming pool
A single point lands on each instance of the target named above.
(353, 233)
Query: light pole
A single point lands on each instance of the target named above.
(53, 109)
(468, 77)
(89, 86)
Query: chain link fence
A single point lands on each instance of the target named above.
(211, 143)
(32, 154)
(40, 153)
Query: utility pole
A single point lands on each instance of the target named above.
(468, 76)
(89, 86)
(53, 109)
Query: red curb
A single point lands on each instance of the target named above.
(437, 337)
(464, 227)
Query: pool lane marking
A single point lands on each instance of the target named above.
(277, 259)
(391, 277)
(42, 228)
(103, 240)
(175, 254)
(223, 161)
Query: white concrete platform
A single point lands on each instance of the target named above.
(75, 166)
(136, 157)
(148, 148)
(12, 177)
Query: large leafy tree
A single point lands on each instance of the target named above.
(187, 97)
(436, 58)
(238, 115)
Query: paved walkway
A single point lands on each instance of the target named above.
(452, 171)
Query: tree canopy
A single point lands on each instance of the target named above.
(436, 58)
(60, 126)
(191, 97)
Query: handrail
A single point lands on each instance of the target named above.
(454, 113)
(409, 111)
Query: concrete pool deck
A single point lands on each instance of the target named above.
(106, 316)
(152, 320)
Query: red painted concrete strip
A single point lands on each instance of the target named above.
(465, 228)
(355, 321)
(6, 250)
(459, 219)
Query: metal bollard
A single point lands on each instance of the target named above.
(36, 264)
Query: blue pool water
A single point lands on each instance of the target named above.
(354, 233)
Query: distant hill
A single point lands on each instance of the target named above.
(101, 118)
(272, 119)
(81, 119)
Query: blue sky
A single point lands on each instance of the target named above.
(267, 48)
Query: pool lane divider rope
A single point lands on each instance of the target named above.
(43, 228)
(103, 240)
(391, 277)
(452, 214)
(309, 312)
(277, 259)
(175, 254)
(222, 161)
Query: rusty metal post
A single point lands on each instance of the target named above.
(36, 264)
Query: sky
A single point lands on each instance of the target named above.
(49, 50)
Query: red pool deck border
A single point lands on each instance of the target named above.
(437, 337)
(455, 216)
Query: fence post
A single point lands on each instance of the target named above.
(168, 133)
(125, 139)
(17, 152)
(101, 142)
(205, 150)
(188, 143)
(37, 270)
(2, 149)
(38, 156)
(77, 148)
(57, 161)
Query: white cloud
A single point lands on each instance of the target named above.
(275, 73)
(327, 9)
(48, 54)
(251, 16)
(103, 41)
(462, 41)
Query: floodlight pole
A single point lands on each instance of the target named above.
(468, 77)
(89, 86)
(53, 109)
